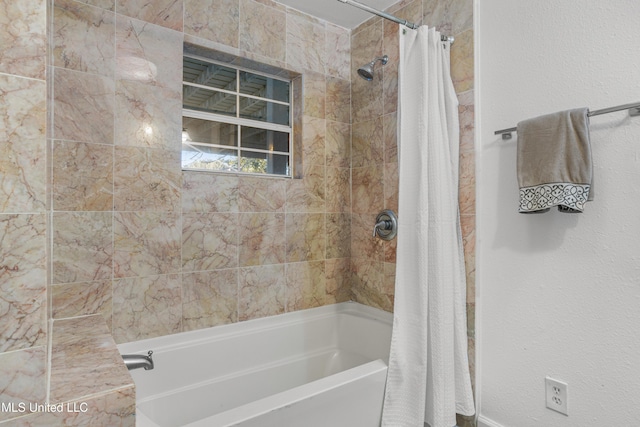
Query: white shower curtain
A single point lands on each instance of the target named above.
(428, 379)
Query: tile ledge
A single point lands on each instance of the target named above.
(82, 347)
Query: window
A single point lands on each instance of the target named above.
(235, 120)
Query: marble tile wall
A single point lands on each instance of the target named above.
(155, 250)
(23, 203)
(374, 152)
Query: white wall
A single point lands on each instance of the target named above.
(558, 294)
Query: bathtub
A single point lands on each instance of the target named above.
(320, 367)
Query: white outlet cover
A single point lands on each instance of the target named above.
(556, 395)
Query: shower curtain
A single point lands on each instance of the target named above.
(428, 378)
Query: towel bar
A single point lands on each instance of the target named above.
(634, 110)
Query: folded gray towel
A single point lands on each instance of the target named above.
(554, 162)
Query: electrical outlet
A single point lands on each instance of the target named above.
(556, 394)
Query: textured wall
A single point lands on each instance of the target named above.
(559, 293)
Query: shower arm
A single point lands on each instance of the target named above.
(383, 59)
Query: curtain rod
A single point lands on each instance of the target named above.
(390, 17)
(634, 110)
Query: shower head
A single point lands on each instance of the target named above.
(366, 71)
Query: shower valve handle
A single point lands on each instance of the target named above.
(386, 225)
(382, 225)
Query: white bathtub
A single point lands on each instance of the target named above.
(320, 367)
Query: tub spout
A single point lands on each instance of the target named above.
(135, 361)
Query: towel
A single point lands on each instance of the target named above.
(554, 162)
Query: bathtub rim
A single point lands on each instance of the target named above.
(220, 332)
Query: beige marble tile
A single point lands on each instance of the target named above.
(259, 62)
(82, 176)
(411, 11)
(368, 284)
(146, 179)
(307, 194)
(390, 137)
(338, 48)
(83, 348)
(23, 148)
(263, 30)
(216, 21)
(23, 378)
(390, 249)
(305, 235)
(367, 189)
(338, 190)
(210, 192)
(373, 21)
(167, 13)
(262, 291)
(363, 244)
(83, 107)
(306, 43)
(338, 100)
(306, 285)
(338, 227)
(466, 112)
(338, 280)
(261, 195)
(462, 62)
(297, 96)
(209, 241)
(389, 280)
(391, 186)
(471, 351)
(209, 299)
(467, 183)
(313, 141)
(148, 53)
(148, 116)
(450, 16)
(146, 307)
(146, 243)
(22, 281)
(468, 227)
(367, 147)
(82, 299)
(261, 238)
(366, 96)
(314, 94)
(82, 248)
(338, 144)
(23, 38)
(83, 38)
(263, 64)
(436, 14)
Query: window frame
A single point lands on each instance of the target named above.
(241, 122)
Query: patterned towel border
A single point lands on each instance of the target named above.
(567, 196)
